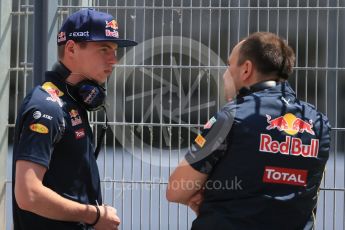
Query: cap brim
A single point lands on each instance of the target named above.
(119, 42)
(124, 42)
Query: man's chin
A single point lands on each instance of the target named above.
(108, 72)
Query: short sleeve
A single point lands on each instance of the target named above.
(209, 146)
(40, 127)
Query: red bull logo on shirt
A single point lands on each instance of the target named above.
(291, 125)
(291, 146)
(75, 117)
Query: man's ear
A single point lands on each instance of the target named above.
(246, 70)
(70, 48)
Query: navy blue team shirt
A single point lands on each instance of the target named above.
(53, 130)
(265, 155)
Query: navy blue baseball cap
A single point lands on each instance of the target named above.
(91, 25)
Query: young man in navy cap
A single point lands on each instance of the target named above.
(259, 161)
(56, 182)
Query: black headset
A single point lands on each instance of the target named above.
(245, 91)
(89, 94)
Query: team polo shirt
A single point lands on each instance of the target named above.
(264, 155)
(53, 130)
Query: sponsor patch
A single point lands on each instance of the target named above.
(61, 37)
(111, 24)
(39, 128)
(291, 146)
(91, 96)
(200, 140)
(290, 124)
(79, 34)
(289, 176)
(75, 117)
(110, 33)
(54, 92)
(52, 88)
(111, 29)
(80, 133)
(210, 123)
(47, 117)
(37, 115)
(57, 100)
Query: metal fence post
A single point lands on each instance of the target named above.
(53, 29)
(5, 49)
(40, 40)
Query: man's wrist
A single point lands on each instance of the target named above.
(96, 219)
(90, 215)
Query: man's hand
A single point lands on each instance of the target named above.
(108, 218)
(196, 200)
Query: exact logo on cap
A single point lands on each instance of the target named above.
(111, 29)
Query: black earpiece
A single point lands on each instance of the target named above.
(88, 93)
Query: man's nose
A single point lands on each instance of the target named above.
(113, 59)
(225, 73)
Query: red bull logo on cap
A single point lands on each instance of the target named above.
(111, 24)
(111, 29)
(61, 37)
(290, 124)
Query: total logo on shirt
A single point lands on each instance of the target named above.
(288, 176)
